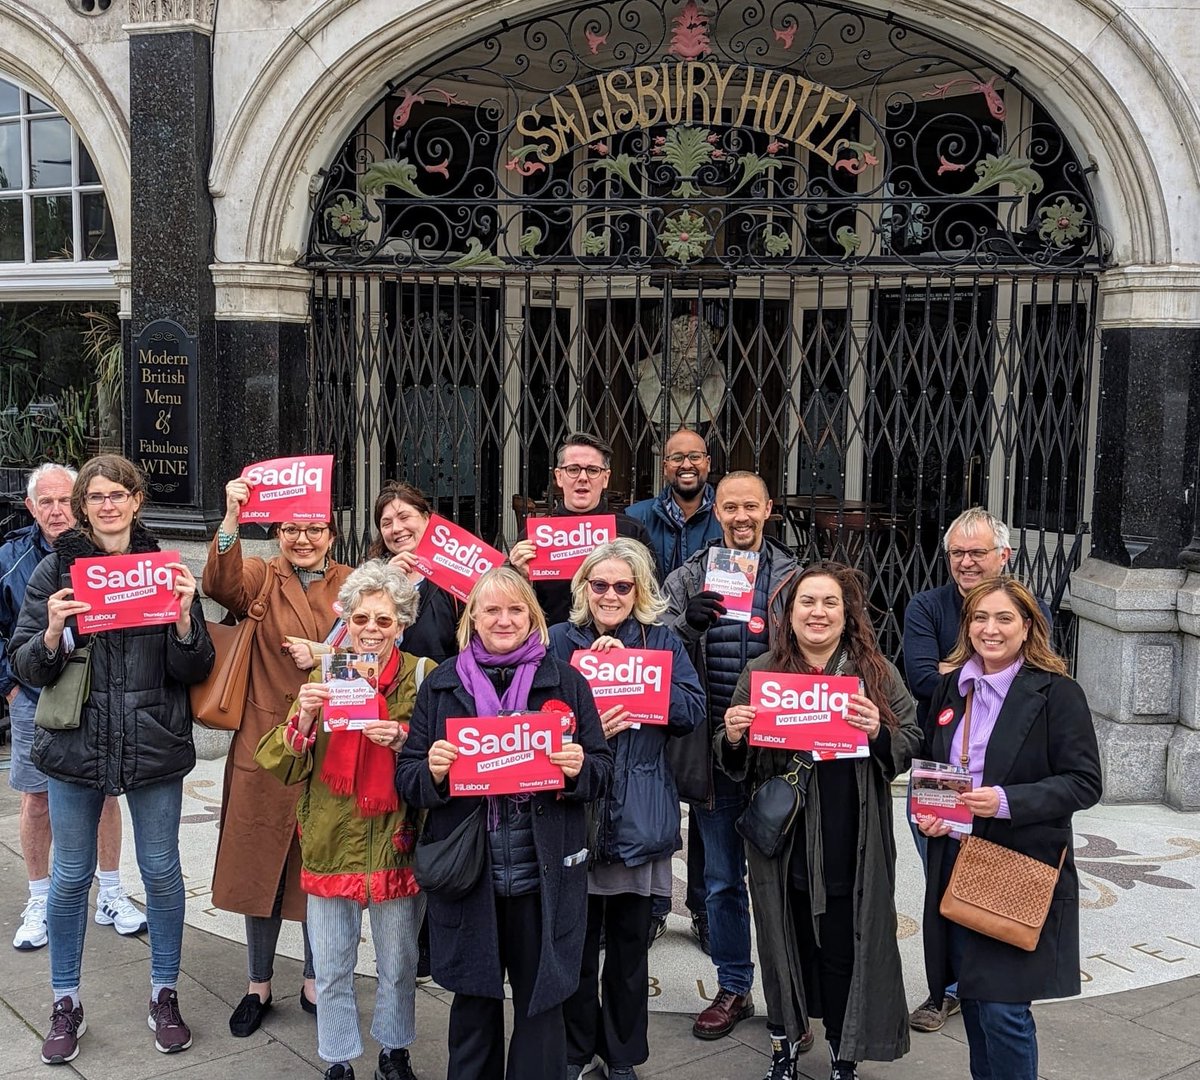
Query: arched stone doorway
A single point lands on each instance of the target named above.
(860, 260)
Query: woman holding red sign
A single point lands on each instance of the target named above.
(616, 606)
(526, 914)
(133, 737)
(257, 871)
(824, 905)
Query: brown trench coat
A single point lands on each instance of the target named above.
(258, 842)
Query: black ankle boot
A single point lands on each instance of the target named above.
(783, 1057)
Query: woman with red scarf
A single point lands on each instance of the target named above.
(356, 836)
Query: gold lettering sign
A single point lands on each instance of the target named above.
(778, 103)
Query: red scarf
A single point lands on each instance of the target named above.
(356, 766)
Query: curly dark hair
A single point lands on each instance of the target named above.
(858, 635)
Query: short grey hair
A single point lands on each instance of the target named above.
(41, 471)
(379, 577)
(975, 520)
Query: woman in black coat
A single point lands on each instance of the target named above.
(134, 738)
(527, 913)
(616, 605)
(1034, 762)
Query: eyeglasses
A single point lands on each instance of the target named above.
(593, 471)
(384, 622)
(95, 498)
(621, 588)
(313, 532)
(974, 554)
(694, 457)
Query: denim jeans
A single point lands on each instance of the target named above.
(74, 815)
(727, 902)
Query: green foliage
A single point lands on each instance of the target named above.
(58, 429)
(391, 173)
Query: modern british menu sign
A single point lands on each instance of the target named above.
(126, 590)
(505, 755)
(452, 558)
(288, 489)
(564, 542)
(805, 712)
(164, 412)
(638, 680)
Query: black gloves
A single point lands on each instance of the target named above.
(704, 609)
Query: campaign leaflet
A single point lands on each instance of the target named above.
(288, 489)
(936, 787)
(564, 542)
(639, 680)
(805, 712)
(731, 573)
(505, 755)
(126, 590)
(351, 678)
(452, 558)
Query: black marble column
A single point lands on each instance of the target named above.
(1148, 433)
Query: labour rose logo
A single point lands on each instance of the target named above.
(554, 705)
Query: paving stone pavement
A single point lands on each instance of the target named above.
(1151, 1033)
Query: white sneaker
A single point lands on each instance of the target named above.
(115, 909)
(31, 934)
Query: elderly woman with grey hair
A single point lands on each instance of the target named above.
(356, 836)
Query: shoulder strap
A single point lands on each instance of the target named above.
(965, 754)
(258, 606)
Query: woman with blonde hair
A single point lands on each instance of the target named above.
(616, 605)
(1032, 754)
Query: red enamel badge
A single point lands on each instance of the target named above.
(756, 625)
(945, 717)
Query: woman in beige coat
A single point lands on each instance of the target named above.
(257, 870)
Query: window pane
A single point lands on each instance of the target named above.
(10, 155)
(12, 231)
(87, 168)
(99, 237)
(52, 236)
(50, 153)
(37, 105)
(10, 99)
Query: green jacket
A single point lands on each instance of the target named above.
(345, 854)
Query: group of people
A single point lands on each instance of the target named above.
(318, 824)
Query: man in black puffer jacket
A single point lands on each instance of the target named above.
(720, 649)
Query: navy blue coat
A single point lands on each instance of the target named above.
(639, 821)
(463, 936)
(23, 549)
(674, 543)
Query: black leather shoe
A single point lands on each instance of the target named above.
(248, 1015)
(309, 1007)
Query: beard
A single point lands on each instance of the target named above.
(687, 489)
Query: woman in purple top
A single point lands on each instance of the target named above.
(1034, 762)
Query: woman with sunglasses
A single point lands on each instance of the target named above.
(616, 605)
(257, 870)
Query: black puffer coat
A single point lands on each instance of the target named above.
(136, 727)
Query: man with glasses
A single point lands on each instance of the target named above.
(582, 473)
(48, 500)
(977, 549)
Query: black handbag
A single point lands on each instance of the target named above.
(60, 704)
(774, 806)
(450, 868)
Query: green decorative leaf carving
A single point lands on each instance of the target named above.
(475, 256)
(595, 241)
(345, 217)
(1005, 169)
(622, 166)
(685, 236)
(777, 243)
(530, 239)
(391, 173)
(753, 165)
(1062, 222)
(686, 149)
(849, 240)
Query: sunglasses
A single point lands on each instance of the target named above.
(383, 622)
(621, 588)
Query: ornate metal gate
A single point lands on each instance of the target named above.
(859, 261)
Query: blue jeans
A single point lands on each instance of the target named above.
(74, 815)
(727, 901)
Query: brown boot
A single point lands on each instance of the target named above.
(723, 1015)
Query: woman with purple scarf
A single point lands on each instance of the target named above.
(526, 916)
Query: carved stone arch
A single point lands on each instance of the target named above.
(43, 58)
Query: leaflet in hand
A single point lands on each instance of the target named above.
(731, 572)
(639, 680)
(564, 541)
(453, 558)
(126, 590)
(936, 787)
(288, 489)
(351, 678)
(805, 712)
(505, 755)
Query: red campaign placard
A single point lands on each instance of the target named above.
(805, 712)
(636, 679)
(452, 558)
(732, 573)
(505, 755)
(288, 489)
(564, 542)
(126, 590)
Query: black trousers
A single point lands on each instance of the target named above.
(538, 1047)
(828, 968)
(608, 1014)
(697, 891)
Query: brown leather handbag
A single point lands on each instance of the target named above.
(220, 700)
(996, 891)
